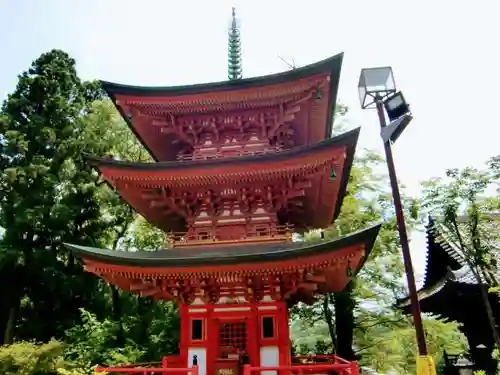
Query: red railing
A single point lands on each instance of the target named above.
(278, 232)
(142, 370)
(229, 153)
(171, 361)
(318, 364)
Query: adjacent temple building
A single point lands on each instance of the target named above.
(240, 167)
(451, 291)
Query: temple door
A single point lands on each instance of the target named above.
(231, 346)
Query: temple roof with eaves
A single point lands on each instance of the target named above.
(217, 255)
(306, 96)
(321, 170)
(446, 269)
(441, 256)
(322, 267)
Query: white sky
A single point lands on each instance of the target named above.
(444, 54)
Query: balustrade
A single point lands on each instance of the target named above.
(219, 154)
(320, 364)
(276, 233)
(149, 369)
(301, 365)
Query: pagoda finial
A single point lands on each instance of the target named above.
(234, 70)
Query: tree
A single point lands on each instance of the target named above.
(46, 193)
(49, 195)
(367, 202)
(468, 218)
(361, 319)
(135, 321)
(386, 345)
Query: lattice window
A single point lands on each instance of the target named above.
(233, 337)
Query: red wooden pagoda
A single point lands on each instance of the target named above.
(241, 166)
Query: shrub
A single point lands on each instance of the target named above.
(28, 358)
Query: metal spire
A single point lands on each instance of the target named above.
(234, 70)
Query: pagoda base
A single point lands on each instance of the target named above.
(221, 338)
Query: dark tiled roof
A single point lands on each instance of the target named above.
(446, 264)
(224, 255)
(348, 139)
(441, 256)
(332, 65)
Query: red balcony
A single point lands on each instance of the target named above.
(279, 233)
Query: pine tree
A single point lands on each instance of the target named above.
(234, 54)
(47, 197)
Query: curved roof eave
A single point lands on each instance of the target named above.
(332, 65)
(460, 276)
(348, 139)
(226, 255)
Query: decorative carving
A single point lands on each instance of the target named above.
(239, 133)
(211, 293)
(289, 284)
(255, 289)
(226, 213)
(184, 204)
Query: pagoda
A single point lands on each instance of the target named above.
(240, 167)
(451, 291)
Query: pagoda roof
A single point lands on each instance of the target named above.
(226, 96)
(332, 65)
(348, 140)
(230, 255)
(290, 271)
(132, 178)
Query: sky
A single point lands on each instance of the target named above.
(443, 54)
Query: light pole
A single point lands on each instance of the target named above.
(377, 89)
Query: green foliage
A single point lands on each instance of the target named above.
(93, 342)
(77, 371)
(467, 213)
(368, 201)
(144, 236)
(394, 348)
(47, 193)
(382, 336)
(28, 358)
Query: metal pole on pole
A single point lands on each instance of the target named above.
(403, 237)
